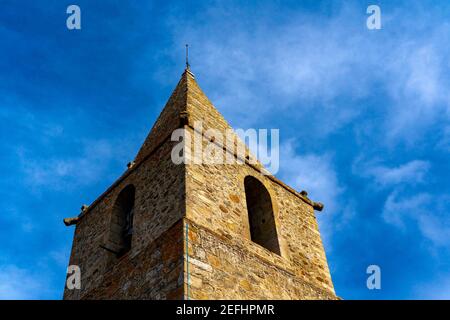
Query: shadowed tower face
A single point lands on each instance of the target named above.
(200, 231)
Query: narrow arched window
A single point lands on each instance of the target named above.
(122, 221)
(260, 213)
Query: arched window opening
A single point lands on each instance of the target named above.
(122, 221)
(260, 213)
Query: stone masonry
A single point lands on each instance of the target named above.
(227, 258)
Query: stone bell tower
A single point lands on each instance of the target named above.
(198, 231)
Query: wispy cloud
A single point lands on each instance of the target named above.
(67, 172)
(410, 173)
(22, 283)
(315, 174)
(426, 211)
(308, 64)
(310, 172)
(81, 159)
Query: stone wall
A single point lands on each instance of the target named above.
(159, 204)
(215, 201)
(156, 272)
(225, 267)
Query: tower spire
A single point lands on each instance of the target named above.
(187, 57)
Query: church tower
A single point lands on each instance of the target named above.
(167, 230)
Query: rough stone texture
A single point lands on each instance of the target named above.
(159, 204)
(155, 273)
(216, 201)
(225, 267)
(219, 260)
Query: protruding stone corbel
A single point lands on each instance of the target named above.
(70, 221)
(184, 118)
(74, 220)
(317, 206)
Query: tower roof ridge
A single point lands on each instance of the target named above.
(190, 103)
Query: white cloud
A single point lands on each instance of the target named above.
(412, 173)
(21, 284)
(315, 174)
(417, 86)
(60, 172)
(424, 210)
(77, 162)
(308, 64)
(397, 208)
(310, 172)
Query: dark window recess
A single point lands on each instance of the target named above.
(260, 213)
(128, 230)
(121, 230)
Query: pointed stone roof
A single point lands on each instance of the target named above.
(188, 100)
(168, 119)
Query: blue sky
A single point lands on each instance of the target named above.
(364, 119)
